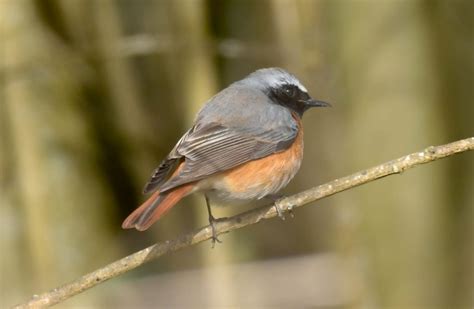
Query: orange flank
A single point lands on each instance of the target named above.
(266, 174)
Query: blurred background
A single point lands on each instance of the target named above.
(93, 94)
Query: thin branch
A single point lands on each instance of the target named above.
(134, 260)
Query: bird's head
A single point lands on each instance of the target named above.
(284, 89)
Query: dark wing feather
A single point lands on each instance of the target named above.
(215, 148)
(160, 175)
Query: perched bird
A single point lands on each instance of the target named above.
(246, 143)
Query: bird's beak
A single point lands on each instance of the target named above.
(316, 103)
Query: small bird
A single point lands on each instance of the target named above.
(246, 143)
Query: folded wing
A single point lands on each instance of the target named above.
(212, 148)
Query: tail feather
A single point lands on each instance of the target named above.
(155, 207)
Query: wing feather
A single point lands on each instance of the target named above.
(214, 148)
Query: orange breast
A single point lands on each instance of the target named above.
(258, 178)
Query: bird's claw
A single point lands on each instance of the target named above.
(290, 211)
(279, 211)
(214, 238)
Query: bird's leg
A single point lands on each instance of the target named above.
(211, 222)
(275, 198)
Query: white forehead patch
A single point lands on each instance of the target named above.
(276, 80)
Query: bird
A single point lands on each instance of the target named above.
(246, 143)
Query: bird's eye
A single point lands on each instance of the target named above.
(289, 91)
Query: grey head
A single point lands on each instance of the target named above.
(283, 89)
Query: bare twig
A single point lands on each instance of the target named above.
(134, 260)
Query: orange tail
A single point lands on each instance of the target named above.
(155, 207)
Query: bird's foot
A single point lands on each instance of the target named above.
(279, 210)
(214, 238)
(276, 198)
(212, 221)
(290, 211)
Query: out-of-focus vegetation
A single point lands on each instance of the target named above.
(93, 94)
